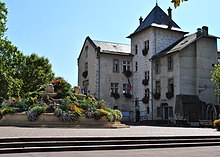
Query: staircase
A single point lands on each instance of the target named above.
(55, 144)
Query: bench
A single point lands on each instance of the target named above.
(206, 123)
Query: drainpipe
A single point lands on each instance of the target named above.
(99, 83)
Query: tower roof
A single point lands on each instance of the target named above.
(157, 18)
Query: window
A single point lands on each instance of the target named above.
(148, 110)
(136, 66)
(126, 65)
(147, 93)
(136, 49)
(157, 87)
(86, 66)
(170, 111)
(170, 85)
(146, 45)
(158, 112)
(170, 63)
(157, 66)
(115, 65)
(114, 87)
(126, 88)
(85, 87)
(86, 50)
(136, 102)
(146, 75)
(115, 107)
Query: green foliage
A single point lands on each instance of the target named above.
(216, 78)
(7, 110)
(177, 2)
(118, 115)
(38, 110)
(19, 73)
(3, 17)
(35, 72)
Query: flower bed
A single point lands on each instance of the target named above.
(68, 107)
(50, 120)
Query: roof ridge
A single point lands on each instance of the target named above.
(110, 42)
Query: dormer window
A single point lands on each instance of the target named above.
(136, 49)
(157, 66)
(170, 63)
(86, 51)
(146, 45)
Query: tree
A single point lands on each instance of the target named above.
(177, 2)
(35, 72)
(216, 78)
(3, 17)
(19, 74)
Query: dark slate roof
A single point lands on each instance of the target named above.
(157, 17)
(181, 44)
(109, 47)
(113, 48)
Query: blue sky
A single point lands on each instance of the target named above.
(56, 29)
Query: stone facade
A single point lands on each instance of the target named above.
(171, 71)
(98, 59)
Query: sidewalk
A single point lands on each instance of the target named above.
(123, 132)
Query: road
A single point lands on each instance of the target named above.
(164, 152)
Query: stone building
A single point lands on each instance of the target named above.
(170, 71)
(104, 71)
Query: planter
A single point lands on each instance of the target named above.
(145, 51)
(145, 100)
(156, 96)
(127, 73)
(169, 95)
(145, 82)
(85, 74)
(50, 120)
(115, 95)
(128, 95)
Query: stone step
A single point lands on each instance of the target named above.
(22, 145)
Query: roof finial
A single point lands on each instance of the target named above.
(156, 3)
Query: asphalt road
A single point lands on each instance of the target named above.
(164, 152)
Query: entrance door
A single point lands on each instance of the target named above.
(165, 112)
(211, 112)
(137, 115)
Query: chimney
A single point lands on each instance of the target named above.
(141, 20)
(199, 32)
(205, 30)
(170, 18)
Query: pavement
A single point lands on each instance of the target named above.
(165, 152)
(133, 131)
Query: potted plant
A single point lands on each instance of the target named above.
(115, 95)
(127, 73)
(85, 74)
(169, 95)
(145, 100)
(145, 51)
(217, 124)
(145, 82)
(128, 95)
(156, 96)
